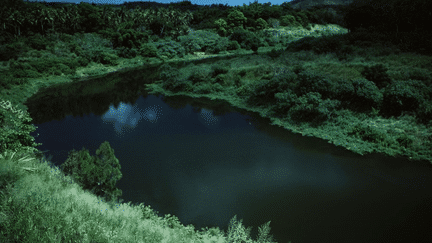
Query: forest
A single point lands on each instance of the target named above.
(372, 82)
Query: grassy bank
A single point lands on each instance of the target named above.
(303, 88)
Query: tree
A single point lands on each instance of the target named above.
(236, 19)
(97, 174)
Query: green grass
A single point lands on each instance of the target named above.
(39, 204)
(42, 204)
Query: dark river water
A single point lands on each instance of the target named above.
(205, 168)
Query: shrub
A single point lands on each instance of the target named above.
(15, 129)
(7, 81)
(311, 108)
(366, 96)
(171, 49)
(37, 42)
(367, 133)
(264, 90)
(108, 58)
(275, 53)
(220, 45)
(97, 174)
(219, 69)
(171, 79)
(377, 74)
(199, 75)
(326, 44)
(403, 96)
(233, 45)
(285, 100)
(125, 36)
(23, 70)
(83, 61)
(247, 40)
(203, 40)
(12, 51)
(125, 52)
(309, 81)
(148, 50)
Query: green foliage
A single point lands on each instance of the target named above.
(221, 27)
(37, 42)
(368, 133)
(274, 23)
(403, 96)
(148, 50)
(247, 40)
(203, 41)
(98, 174)
(312, 82)
(377, 74)
(264, 90)
(171, 49)
(261, 24)
(219, 69)
(233, 45)
(199, 75)
(285, 100)
(221, 44)
(236, 19)
(289, 20)
(12, 51)
(108, 59)
(125, 36)
(7, 80)
(21, 69)
(311, 108)
(171, 79)
(125, 52)
(366, 96)
(15, 129)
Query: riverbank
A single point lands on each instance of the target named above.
(261, 66)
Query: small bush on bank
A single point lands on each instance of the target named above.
(148, 50)
(377, 74)
(19, 127)
(170, 49)
(311, 108)
(312, 82)
(403, 96)
(264, 90)
(366, 96)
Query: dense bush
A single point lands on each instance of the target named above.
(198, 75)
(13, 51)
(285, 100)
(7, 80)
(172, 80)
(219, 69)
(21, 69)
(148, 50)
(377, 74)
(309, 81)
(203, 41)
(37, 42)
(98, 174)
(125, 36)
(170, 49)
(311, 108)
(125, 52)
(16, 126)
(403, 96)
(366, 96)
(246, 39)
(233, 45)
(264, 90)
(369, 134)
